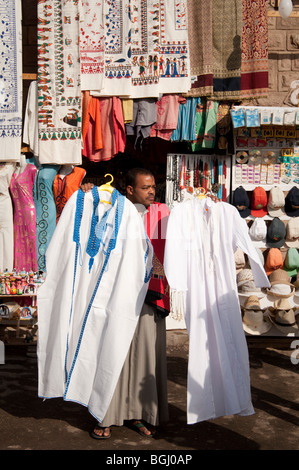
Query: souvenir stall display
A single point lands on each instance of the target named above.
(18, 307)
(194, 175)
(111, 75)
(265, 190)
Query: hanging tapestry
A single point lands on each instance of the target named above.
(201, 47)
(92, 44)
(59, 92)
(11, 80)
(227, 37)
(254, 66)
(146, 50)
(174, 50)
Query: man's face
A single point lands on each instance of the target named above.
(144, 190)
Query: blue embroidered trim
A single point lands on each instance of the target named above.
(116, 197)
(98, 230)
(93, 243)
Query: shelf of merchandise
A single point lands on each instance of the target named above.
(17, 335)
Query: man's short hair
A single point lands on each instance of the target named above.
(132, 174)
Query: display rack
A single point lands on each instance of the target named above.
(266, 154)
(18, 326)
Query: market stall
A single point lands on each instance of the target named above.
(140, 85)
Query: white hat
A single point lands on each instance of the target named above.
(258, 230)
(276, 202)
(292, 235)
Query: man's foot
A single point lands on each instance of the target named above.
(101, 433)
(139, 427)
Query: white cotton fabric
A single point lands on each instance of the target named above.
(202, 237)
(30, 129)
(6, 219)
(85, 333)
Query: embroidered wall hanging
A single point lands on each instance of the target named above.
(10, 80)
(146, 50)
(59, 91)
(92, 44)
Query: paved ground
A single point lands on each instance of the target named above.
(28, 423)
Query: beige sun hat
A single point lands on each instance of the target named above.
(246, 284)
(252, 303)
(281, 286)
(255, 323)
(240, 261)
(282, 316)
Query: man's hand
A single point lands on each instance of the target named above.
(214, 198)
(86, 187)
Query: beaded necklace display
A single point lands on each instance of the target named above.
(191, 174)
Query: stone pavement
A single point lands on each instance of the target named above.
(28, 423)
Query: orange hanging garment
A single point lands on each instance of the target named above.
(64, 187)
(91, 121)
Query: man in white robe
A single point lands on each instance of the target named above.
(199, 264)
(98, 265)
(140, 397)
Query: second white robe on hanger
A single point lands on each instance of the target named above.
(98, 265)
(202, 237)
